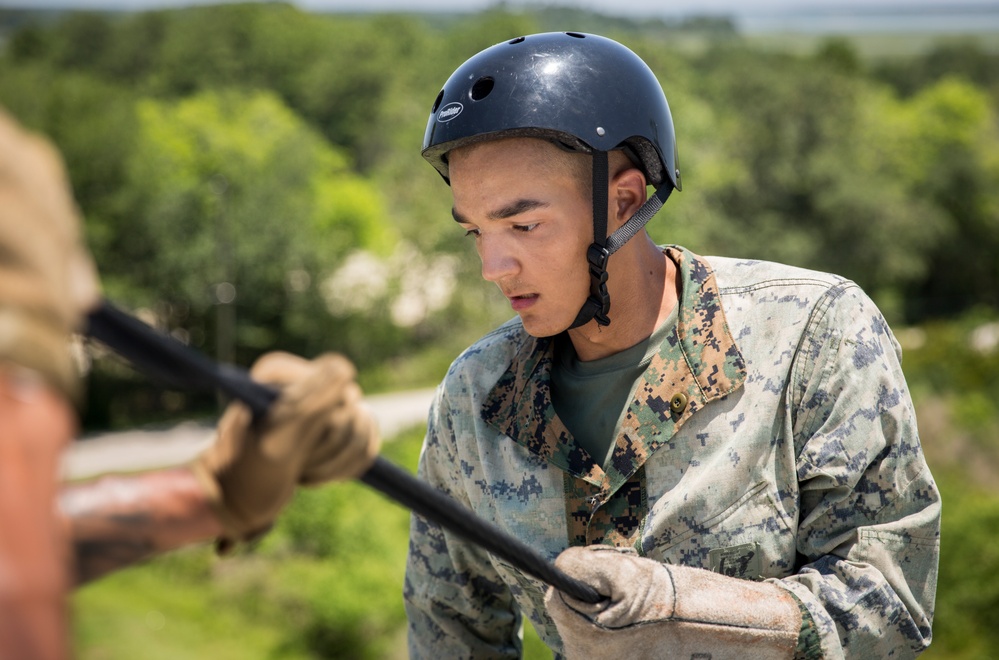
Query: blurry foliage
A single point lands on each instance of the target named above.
(966, 620)
(234, 187)
(807, 172)
(952, 368)
(273, 148)
(964, 58)
(955, 357)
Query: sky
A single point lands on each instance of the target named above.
(660, 8)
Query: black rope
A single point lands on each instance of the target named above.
(167, 359)
(175, 364)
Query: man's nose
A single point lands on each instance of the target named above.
(498, 260)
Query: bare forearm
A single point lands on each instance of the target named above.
(116, 521)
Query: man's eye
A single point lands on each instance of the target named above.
(471, 232)
(526, 228)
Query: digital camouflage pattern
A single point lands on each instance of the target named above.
(772, 437)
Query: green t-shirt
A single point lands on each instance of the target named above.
(591, 397)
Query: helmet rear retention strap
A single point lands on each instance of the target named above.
(640, 219)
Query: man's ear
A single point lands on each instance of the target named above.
(626, 195)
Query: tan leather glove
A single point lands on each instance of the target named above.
(660, 611)
(318, 430)
(47, 277)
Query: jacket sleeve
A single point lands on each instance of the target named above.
(456, 603)
(869, 526)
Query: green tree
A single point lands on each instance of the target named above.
(94, 125)
(231, 187)
(797, 169)
(953, 140)
(966, 58)
(80, 40)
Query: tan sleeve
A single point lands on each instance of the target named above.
(47, 276)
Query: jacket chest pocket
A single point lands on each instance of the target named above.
(751, 537)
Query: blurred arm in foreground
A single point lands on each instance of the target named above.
(315, 432)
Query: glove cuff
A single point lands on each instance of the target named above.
(232, 531)
(702, 595)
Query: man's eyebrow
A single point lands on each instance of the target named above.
(509, 211)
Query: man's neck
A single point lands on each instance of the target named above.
(647, 275)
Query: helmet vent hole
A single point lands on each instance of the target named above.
(481, 88)
(437, 102)
(576, 35)
(517, 40)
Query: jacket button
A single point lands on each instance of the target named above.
(678, 403)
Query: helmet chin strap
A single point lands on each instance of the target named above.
(597, 305)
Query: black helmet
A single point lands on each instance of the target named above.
(585, 93)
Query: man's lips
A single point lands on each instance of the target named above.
(522, 302)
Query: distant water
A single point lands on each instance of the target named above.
(981, 20)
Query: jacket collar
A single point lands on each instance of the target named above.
(698, 362)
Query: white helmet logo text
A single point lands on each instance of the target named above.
(449, 111)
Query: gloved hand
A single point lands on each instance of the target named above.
(660, 611)
(317, 430)
(47, 277)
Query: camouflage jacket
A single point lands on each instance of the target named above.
(772, 437)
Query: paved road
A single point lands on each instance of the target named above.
(129, 451)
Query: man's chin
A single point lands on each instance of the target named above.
(541, 328)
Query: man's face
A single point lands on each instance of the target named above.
(523, 204)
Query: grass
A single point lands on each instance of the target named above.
(157, 612)
(966, 622)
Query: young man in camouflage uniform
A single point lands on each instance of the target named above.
(728, 452)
